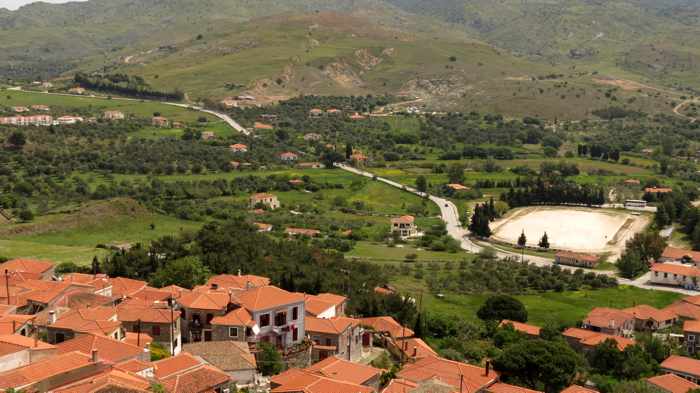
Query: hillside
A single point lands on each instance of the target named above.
(654, 38)
(278, 49)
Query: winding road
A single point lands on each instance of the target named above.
(450, 215)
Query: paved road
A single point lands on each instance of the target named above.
(450, 215)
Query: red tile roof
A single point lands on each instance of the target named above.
(604, 317)
(672, 383)
(230, 281)
(682, 364)
(577, 389)
(134, 366)
(501, 387)
(399, 386)
(26, 265)
(335, 325)
(43, 369)
(175, 365)
(267, 297)
(205, 300)
(237, 317)
(416, 348)
(684, 309)
(403, 220)
(122, 286)
(531, 330)
(472, 378)
(591, 339)
(343, 370)
(102, 320)
(108, 381)
(658, 190)
(673, 268)
(315, 305)
(203, 379)
(107, 348)
(295, 380)
(645, 312)
(387, 325)
(157, 313)
(678, 254)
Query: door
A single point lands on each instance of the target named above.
(365, 339)
(207, 335)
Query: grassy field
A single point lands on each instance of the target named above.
(556, 308)
(75, 236)
(381, 253)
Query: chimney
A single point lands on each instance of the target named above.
(52, 317)
(611, 324)
(488, 367)
(93, 356)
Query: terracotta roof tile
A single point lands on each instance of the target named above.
(342, 370)
(134, 366)
(674, 268)
(592, 339)
(25, 342)
(101, 320)
(404, 220)
(335, 325)
(201, 300)
(399, 386)
(645, 312)
(267, 297)
(387, 325)
(122, 286)
(602, 317)
(157, 313)
(141, 340)
(450, 372)
(684, 309)
(682, 364)
(237, 317)
(295, 380)
(314, 306)
(672, 383)
(175, 365)
(43, 369)
(501, 387)
(678, 254)
(26, 265)
(417, 348)
(531, 330)
(107, 348)
(230, 281)
(203, 379)
(108, 381)
(577, 389)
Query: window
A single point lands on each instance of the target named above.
(155, 330)
(209, 318)
(665, 275)
(295, 313)
(280, 319)
(295, 334)
(329, 342)
(264, 320)
(233, 332)
(691, 337)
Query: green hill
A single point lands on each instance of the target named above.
(508, 56)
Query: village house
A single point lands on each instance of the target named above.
(296, 380)
(113, 115)
(262, 126)
(683, 367)
(316, 112)
(404, 226)
(333, 111)
(576, 259)
(123, 287)
(237, 325)
(291, 231)
(288, 156)
(457, 187)
(20, 109)
(160, 121)
(691, 336)
(347, 371)
(609, 321)
(587, 340)
(107, 348)
(455, 374)
(41, 108)
(679, 255)
(658, 190)
(671, 383)
(17, 351)
(232, 357)
(198, 309)
(356, 116)
(235, 282)
(51, 372)
(501, 387)
(238, 148)
(338, 336)
(325, 305)
(278, 314)
(100, 283)
(415, 348)
(29, 268)
(263, 227)
(186, 374)
(529, 330)
(158, 320)
(269, 201)
(69, 120)
(635, 204)
(648, 318)
(76, 90)
(675, 275)
(73, 322)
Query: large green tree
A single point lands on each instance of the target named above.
(499, 307)
(269, 359)
(186, 272)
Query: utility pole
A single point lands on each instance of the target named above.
(171, 303)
